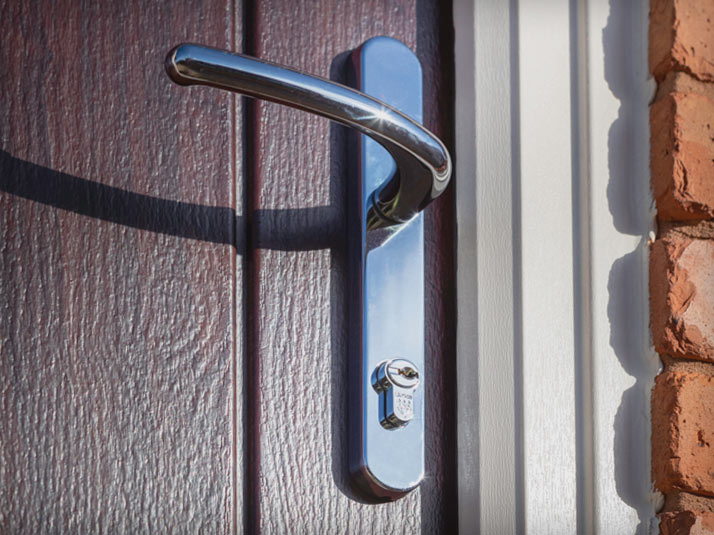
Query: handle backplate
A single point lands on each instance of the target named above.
(387, 283)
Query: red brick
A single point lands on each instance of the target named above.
(682, 38)
(682, 297)
(683, 432)
(676, 501)
(682, 156)
(679, 82)
(687, 523)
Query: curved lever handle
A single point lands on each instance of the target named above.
(423, 163)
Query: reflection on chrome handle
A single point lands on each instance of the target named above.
(423, 163)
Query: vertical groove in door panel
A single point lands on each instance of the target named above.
(240, 392)
(117, 266)
(251, 415)
(300, 295)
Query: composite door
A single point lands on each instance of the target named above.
(173, 315)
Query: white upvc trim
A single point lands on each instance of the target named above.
(548, 356)
(485, 307)
(553, 212)
(624, 363)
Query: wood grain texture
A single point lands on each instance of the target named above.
(117, 272)
(299, 479)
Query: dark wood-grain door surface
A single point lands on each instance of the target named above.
(173, 314)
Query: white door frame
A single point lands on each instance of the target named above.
(554, 210)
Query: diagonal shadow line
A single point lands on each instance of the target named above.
(299, 229)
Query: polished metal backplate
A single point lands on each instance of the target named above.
(387, 372)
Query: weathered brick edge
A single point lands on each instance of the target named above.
(681, 58)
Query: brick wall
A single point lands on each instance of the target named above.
(682, 262)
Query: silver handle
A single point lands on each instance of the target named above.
(423, 163)
(386, 270)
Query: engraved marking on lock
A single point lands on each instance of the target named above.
(395, 381)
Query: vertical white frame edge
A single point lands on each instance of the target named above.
(488, 491)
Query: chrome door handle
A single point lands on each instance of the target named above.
(423, 163)
(386, 237)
